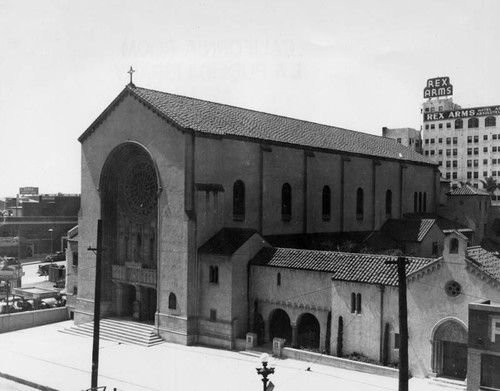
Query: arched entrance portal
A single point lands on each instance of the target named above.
(129, 207)
(279, 326)
(308, 332)
(449, 350)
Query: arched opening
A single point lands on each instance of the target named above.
(388, 203)
(286, 202)
(360, 206)
(449, 350)
(129, 188)
(308, 332)
(326, 203)
(279, 326)
(454, 246)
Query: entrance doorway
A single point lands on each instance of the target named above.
(449, 350)
(279, 326)
(454, 360)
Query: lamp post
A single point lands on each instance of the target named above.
(265, 371)
(51, 240)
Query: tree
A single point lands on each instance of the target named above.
(490, 184)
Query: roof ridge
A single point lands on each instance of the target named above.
(265, 112)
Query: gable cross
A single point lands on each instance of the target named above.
(130, 72)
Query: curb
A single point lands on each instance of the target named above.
(28, 383)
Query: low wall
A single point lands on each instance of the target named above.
(339, 362)
(27, 319)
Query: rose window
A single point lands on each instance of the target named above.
(140, 190)
(453, 288)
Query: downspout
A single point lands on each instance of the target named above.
(381, 353)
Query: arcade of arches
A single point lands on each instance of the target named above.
(303, 330)
(129, 196)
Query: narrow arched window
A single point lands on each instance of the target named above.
(490, 121)
(415, 202)
(214, 274)
(353, 303)
(326, 202)
(420, 200)
(239, 201)
(172, 301)
(358, 303)
(286, 202)
(425, 202)
(278, 279)
(473, 122)
(388, 203)
(360, 207)
(454, 246)
(459, 123)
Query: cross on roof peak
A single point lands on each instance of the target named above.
(130, 72)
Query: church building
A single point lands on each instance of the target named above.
(189, 191)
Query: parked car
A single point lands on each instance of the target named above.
(57, 256)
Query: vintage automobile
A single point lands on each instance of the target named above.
(57, 256)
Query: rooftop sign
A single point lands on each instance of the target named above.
(462, 113)
(439, 86)
(28, 190)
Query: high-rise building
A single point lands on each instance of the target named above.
(464, 141)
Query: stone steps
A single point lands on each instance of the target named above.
(118, 330)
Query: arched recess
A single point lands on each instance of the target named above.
(129, 188)
(449, 349)
(308, 331)
(279, 326)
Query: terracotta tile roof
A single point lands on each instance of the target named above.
(224, 120)
(468, 190)
(485, 261)
(444, 224)
(227, 241)
(365, 268)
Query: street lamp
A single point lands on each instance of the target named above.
(265, 371)
(51, 241)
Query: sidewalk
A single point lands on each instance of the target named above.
(59, 361)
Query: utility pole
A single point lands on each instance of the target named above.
(403, 323)
(97, 306)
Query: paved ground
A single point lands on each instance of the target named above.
(45, 356)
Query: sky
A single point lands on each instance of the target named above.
(358, 64)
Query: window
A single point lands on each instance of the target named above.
(359, 204)
(476, 175)
(440, 126)
(358, 303)
(172, 301)
(455, 140)
(75, 258)
(493, 149)
(396, 340)
(353, 303)
(476, 139)
(448, 175)
(485, 161)
(440, 140)
(454, 176)
(469, 174)
(485, 173)
(213, 315)
(476, 151)
(75, 290)
(493, 161)
(239, 201)
(454, 246)
(326, 202)
(485, 149)
(388, 203)
(455, 151)
(399, 140)
(440, 162)
(427, 127)
(473, 122)
(440, 151)
(494, 136)
(415, 202)
(433, 140)
(469, 139)
(432, 126)
(448, 152)
(490, 376)
(278, 279)
(448, 140)
(453, 288)
(448, 163)
(426, 141)
(459, 123)
(485, 137)
(286, 202)
(448, 125)
(490, 121)
(433, 152)
(476, 162)
(426, 153)
(214, 274)
(434, 248)
(455, 163)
